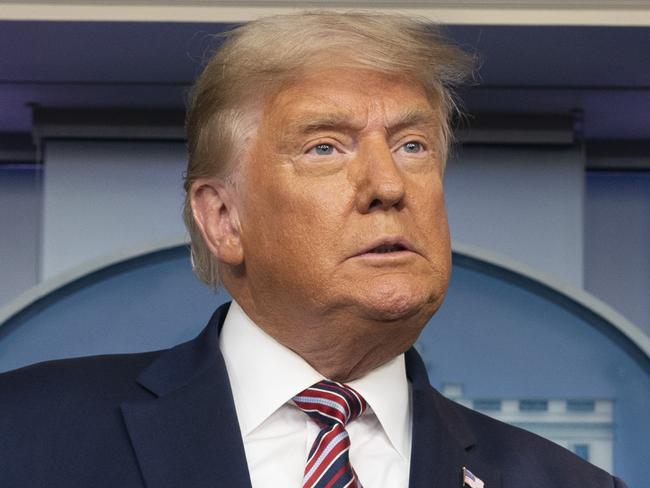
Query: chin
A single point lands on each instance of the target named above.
(393, 302)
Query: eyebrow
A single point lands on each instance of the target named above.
(309, 123)
(412, 118)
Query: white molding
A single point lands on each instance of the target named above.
(46, 287)
(627, 328)
(603, 12)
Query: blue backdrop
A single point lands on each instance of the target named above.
(499, 334)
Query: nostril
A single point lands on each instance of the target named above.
(376, 203)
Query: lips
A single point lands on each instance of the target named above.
(388, 248)
(387, 245)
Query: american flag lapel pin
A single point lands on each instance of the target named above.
(470, 480)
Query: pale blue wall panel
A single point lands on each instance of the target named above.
(101, 197)
(617, 242)
(20, 222)
(525, 203)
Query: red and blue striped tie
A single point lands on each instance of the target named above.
(332, 406)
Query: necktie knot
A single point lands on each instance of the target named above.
(329, 402)
(331, 405)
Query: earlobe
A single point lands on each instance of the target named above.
(215, 213)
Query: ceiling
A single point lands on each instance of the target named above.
(603, 72)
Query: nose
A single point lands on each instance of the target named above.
(380, 183)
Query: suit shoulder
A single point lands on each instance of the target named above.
(82, 376)
(522, 455)
(55, 413)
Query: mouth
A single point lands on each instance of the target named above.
(387, 246)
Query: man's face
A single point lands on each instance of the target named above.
(341, 200)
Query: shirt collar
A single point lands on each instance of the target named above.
(393, 410)
(264, 375)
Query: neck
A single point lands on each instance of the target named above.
(339, 344)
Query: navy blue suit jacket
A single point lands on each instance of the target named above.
(167, 419)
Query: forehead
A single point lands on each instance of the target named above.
(351, 96)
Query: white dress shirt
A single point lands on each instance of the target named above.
(277, 435)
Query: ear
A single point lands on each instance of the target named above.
(214, 207)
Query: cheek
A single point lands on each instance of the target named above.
(314, 216)
(430, 216)
(296, 220)
(428, 201)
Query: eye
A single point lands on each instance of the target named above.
(413, 147)
(322, 149)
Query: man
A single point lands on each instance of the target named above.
(317, 147)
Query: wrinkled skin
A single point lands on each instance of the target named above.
(342, 160)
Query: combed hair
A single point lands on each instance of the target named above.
(255, 59)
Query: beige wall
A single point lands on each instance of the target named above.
(521, 12)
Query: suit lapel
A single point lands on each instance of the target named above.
(188, 435)
(442, 440)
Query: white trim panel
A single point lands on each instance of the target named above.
(46, 287)
(537, 13)
(627, 328)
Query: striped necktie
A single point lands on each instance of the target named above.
(331, 405)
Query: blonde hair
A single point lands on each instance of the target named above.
(256, 58)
